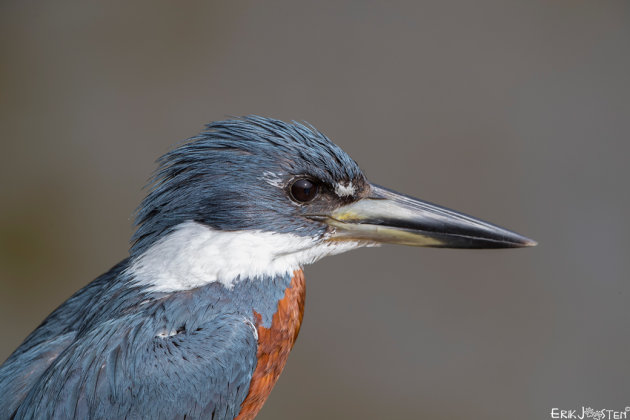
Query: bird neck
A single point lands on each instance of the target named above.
(193, 255)
(256, 299)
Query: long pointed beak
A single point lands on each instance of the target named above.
(386, 216)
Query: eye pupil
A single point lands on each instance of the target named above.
(303, 190)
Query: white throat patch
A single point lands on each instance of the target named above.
(194, 255)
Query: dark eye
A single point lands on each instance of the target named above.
(304, 190)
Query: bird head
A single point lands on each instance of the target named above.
(283, 195)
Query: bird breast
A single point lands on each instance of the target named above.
(274, 345)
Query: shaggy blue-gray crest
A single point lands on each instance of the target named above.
(198, 322)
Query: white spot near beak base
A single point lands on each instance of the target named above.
(347, 190)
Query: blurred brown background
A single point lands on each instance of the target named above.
(516, 112)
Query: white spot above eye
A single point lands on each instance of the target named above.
(272, 179)
(194, 255)
(347, 190)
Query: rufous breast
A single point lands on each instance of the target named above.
(274, 345)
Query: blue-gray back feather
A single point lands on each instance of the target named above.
(132, 354)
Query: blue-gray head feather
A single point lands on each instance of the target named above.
(233, 176)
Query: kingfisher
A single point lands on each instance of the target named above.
(198, 321)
